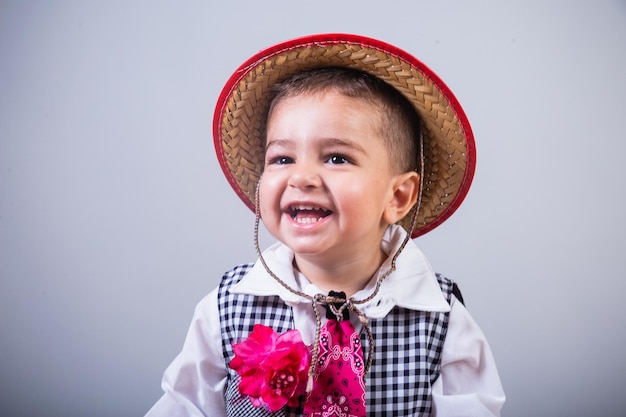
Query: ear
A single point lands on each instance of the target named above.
(405, 188)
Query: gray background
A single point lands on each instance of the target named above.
(115, 218)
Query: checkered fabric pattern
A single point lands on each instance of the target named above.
(407, 359)
(407, 355)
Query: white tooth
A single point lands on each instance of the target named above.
(306, 220)
(300, 207)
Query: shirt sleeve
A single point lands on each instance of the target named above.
(469, 384)
(194, 382)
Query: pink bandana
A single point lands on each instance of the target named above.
(339, 389)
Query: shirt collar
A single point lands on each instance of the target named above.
(412, 285)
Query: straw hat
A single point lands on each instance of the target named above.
(448, 149)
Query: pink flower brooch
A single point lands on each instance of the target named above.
(273, 368)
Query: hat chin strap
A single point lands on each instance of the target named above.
(418, 203)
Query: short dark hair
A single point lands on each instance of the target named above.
(400, 123)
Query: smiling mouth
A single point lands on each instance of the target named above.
(306, 214)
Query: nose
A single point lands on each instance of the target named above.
(304, 175)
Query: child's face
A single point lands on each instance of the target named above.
(327, 177)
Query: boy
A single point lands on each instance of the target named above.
(353, 138)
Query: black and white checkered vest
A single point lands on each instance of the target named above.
(407, 355)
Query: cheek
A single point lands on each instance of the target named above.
(353, 189)
(268, 196)
(364, 196)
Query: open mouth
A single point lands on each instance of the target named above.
(306, 214)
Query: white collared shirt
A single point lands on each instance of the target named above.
(468, 384)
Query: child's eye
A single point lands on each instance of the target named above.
(338, 159)
(280, 160)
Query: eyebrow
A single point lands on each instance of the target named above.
(279, 142)
(344, 143)
(326, 142)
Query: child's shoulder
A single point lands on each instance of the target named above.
(449, 287)
(234, 275)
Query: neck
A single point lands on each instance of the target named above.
(348, 276)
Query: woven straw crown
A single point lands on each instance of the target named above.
(448, 144)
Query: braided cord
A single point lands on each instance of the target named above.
(328, 301)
